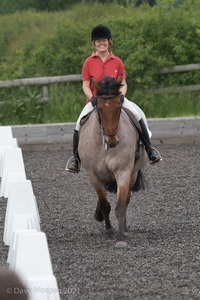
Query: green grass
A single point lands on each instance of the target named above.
(29, 37)
(168, 105)
(67, 100)
(65, 104)
(178, 105)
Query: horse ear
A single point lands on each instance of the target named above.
(119, 79)
(94, 82)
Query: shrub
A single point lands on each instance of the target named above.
(146, 38)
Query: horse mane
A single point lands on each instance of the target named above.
(108, 86)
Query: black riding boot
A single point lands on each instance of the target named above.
(153, 154)
(73, 164)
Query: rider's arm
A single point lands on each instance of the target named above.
(86, 89)
(123, 89)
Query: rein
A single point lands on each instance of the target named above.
(108, 134)
(107, 96)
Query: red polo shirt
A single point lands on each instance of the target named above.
(94, 66)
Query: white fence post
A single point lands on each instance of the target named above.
(6, 141)
(12, 162)
(31, 261)
(28, 254)
(21, 200)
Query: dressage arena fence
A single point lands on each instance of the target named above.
(28, 254)
(46, 81)
(59, 135)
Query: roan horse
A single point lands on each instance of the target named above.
(110, 153)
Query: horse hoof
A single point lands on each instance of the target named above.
(98, 217)
(110, 233)
(121, 244)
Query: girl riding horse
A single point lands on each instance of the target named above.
(102, 63)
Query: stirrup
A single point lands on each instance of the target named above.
(75, 168)
(158, 159)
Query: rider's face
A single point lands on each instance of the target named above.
(101, 45)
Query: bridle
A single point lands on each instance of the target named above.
(99, 119)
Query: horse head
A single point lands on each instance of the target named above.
(108, 108)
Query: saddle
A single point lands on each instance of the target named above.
(128, 112)
(133, 120)
(85, 118)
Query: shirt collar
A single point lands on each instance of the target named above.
(111, 55)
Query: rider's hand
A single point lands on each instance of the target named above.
(121, 97)
(93, 101)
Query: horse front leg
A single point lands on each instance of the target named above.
(125, 221)
(103, 207)
(102, 211)
(123, 198)
(98, 214)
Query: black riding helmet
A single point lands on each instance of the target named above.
(100, 32)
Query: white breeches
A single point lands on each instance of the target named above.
(88, 108)
(136, 110)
